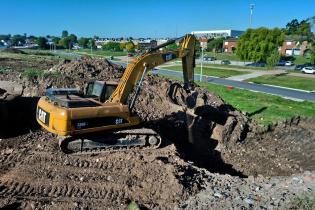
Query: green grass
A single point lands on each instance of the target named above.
(101, 53)
(223, 56)
(38, 52)
(264, 108)
(286, 81)
(222, 73)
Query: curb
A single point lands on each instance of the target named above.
(306, 91)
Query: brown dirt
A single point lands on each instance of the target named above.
(283, 149)
(34, 174)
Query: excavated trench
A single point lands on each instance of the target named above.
(200, 130)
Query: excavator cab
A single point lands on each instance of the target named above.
(100, 90)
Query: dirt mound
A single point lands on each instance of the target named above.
(75, 73)
(14, 50)
(87, 68)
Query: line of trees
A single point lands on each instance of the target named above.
(67, 41)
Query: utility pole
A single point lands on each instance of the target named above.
(251, 7)
(201, 64)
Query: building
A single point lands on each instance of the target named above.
(291, 47)
(218, 33)
(229, 45)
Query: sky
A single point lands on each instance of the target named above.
(145, 18)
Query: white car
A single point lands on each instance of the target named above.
(288, 63)
(308, 70)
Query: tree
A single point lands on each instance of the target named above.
(215, 44)
(112, 46)
(83, 42)
(259, 44)
(5, 37)
(64, 34)
(302, 29)
(273, 59)
(122, 45)
(312, 57)
(292, 27)
(42, 43)
(130, 46)
(18, 40)
(73, 38)
(65, 43)
(56, 40)
(91, 44)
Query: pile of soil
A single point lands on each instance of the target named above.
(75, 73)
(87, 68)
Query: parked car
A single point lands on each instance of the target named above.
(257, 64)
(225, 62)
(130, 55)
(281, 63)
(209, 58)
(301, 66)
(308, 70)
(289, 63)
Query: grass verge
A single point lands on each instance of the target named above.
(263, 108)
(223, 56)
(222, 73)
(101, 53)
(286, 81)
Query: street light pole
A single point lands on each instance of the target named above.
(201, 64)
(251, 7)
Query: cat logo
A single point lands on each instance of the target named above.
(43, 116)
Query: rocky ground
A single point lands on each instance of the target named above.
(213, 156)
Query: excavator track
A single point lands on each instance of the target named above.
(122, 140)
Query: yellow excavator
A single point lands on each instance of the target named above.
(101, 118)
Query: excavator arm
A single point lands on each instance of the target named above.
(136, 70)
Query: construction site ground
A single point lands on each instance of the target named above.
(212, 157)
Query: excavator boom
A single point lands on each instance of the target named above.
(151, 59)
